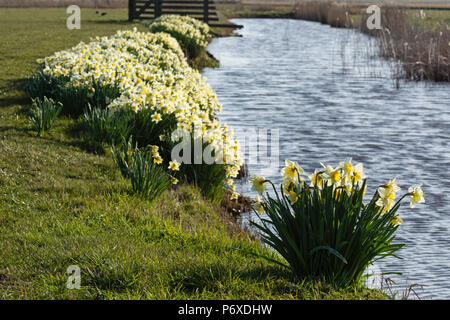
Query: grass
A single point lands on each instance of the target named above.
(62, 205)
(256, 9)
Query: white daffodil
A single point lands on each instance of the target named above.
(258, 184)
(416, 195)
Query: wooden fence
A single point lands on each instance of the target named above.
(204, 10)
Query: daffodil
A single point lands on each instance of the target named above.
(347, 166)
(174, 165)
(257, 206)
(157, 160)
(390, 187)
(174, 180)
(316, 178)
(291, 170)
(396, 221)
(293, 197)
(258, 184)
(156, 117)
(416, 195)
(358, 174)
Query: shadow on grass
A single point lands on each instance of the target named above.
(219, 276)
(9, 101)
(111, 21)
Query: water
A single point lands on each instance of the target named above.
(316, 85)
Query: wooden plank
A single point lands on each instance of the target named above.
(131, 9)
(142, 9)
(157, 8)
(205, 11)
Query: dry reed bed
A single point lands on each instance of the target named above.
(406, 36)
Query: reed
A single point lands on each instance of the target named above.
(420, 43)
(338, 15)
(421, 47)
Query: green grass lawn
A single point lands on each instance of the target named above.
(62, 205)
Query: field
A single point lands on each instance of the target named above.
(62, 204)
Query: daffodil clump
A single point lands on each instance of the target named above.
(145, 74)
(192, 34)
(321, 225)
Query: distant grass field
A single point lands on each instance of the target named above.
(61, 205)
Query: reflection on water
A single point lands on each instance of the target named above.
(330, 102)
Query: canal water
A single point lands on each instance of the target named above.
(330, 97)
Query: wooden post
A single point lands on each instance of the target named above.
(131, 9)
(205, 10)
(157, 8)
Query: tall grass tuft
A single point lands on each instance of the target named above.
(102, 126)
(43, 114)
(148, 179)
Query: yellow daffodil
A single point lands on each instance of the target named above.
(174, 165)
(258, 206)
(396, 221)
(316, 178)
(358, 174)
(347, 166)
(293, 197)
(291, 170)
(157, 160)
(156, 117)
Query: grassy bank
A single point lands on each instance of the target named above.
(62, 205)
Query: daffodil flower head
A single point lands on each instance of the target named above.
(157, 159)
(396, 221)
(386, 203)
(416, 195)
(358, 174)
(156, 117)
(174, 165)
(258, 184)
(291, 170)
(258, 205)
(391, 186)
(316, 178)
(347, 166)
(293, 197)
